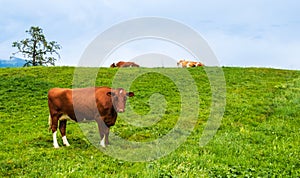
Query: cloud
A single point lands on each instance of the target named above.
(245, 51)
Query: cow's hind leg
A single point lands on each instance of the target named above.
(53, 122)
(50, 122)
(62, 128)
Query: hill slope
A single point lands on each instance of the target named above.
(258, 136)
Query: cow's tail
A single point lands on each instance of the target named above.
(50, 122)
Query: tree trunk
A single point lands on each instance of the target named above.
(34, 63)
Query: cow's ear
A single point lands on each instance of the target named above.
(130, 94)
(110, 93)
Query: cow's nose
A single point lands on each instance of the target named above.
(121, 110)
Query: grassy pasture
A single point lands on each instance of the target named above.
(258, 136)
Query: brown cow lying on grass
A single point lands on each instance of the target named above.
(124, 64)
(184, 63)
(96, 103)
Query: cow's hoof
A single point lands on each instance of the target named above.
(102, 144)
(65, 141)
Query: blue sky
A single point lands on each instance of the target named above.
(248, 33)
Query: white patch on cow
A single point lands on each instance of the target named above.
(102, 143)
(188, 64)
(64, 117)
(55, 144)
(121, 91)
(65, 141)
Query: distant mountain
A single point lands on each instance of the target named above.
(14, 62)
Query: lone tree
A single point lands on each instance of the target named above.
(36, 49)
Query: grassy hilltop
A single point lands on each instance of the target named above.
(258, 136)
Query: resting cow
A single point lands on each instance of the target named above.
(124, 64)
(184, 63)
(95, 103)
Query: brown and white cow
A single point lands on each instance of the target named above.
(95, 103)
(183, 63)
(124, 64)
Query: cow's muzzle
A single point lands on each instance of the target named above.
(120, 110)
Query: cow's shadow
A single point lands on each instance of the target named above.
(46, 141)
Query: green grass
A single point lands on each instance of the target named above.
(258, 136)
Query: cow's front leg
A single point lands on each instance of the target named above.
(106, 135)
(102, 127)
(102, 138)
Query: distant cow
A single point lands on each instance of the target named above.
(184, 63)
(124, 64)
(95, 103)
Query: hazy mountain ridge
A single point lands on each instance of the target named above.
(13, 62)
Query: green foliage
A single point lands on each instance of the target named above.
(258, 137)
(36, 48)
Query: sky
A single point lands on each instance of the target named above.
(248, 33)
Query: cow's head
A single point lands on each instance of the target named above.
(119, 97)
(113, 65)
(179, 63)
